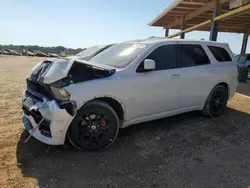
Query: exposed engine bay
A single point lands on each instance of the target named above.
(80, 72)
(61, 72)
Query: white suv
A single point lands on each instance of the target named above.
(130, 82)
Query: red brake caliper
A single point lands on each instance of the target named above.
(103, 123)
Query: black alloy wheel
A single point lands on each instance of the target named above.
(95, 126)
(216, 102)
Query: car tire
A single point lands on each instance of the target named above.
(95, 126)
(216, 102)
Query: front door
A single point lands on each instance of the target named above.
(158, 90)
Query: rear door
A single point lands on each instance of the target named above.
(195, 70)
(225, 66)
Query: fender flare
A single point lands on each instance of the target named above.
(102, 96)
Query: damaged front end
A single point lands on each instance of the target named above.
(47, 107)
(47, 119)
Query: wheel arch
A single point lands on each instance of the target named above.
(205, 109)
(116, 104)
(224, 84)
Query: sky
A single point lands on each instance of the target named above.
(82, 23)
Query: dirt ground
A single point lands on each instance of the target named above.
(188, 150)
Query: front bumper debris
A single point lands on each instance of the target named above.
(45, 119)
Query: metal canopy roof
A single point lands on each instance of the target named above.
(199, 11)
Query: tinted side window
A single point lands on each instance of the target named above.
(248, 57)
(220, 54)
(191, 55)
(164, 57)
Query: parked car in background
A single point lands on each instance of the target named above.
(5, 52)
(128, 83)
(92, 51)
(40, 53)
(244, 61)
(13, 52)
(28, 53)
(53, 55)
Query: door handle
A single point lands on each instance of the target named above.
(212, 70)
(175, 75)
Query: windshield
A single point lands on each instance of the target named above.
(119, 55)
(89, 51)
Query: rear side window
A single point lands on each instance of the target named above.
(220, 54)
(191, 55)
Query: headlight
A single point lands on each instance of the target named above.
(60, 93)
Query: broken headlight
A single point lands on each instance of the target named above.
(60, 93)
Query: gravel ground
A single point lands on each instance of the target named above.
(187, 150)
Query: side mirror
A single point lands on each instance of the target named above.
(149, 64)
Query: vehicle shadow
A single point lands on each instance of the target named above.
(153, 154)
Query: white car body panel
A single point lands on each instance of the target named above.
(150, 95)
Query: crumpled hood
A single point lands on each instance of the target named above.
(86, 58)
(52, 70)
